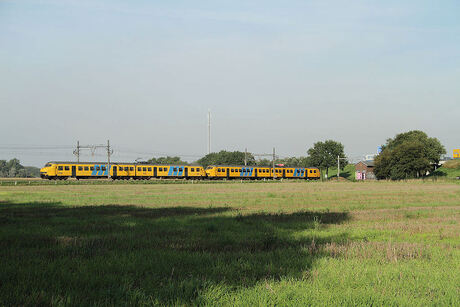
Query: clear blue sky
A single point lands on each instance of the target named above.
(281, 74)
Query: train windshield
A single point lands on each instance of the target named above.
(47, 164)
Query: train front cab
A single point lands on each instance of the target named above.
(48, 171)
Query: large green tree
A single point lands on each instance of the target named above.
(323, 155)
(226, 158)
(409, 155)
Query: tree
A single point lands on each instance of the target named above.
(13, 168)
(226, 158)
(409, 155)
(324, 155)
(167, 161)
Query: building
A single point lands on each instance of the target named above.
(456, 153)
(364, 170)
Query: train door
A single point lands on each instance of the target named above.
(114, 168)
(74, 171)
(255, 172)
(284, 173)
(186, 171)
(228, 172)
(155, 171)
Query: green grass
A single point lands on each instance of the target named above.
(282, 243)
(449, 171)
(348, 172)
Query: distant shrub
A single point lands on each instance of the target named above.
(452, 164)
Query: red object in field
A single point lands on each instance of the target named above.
(279, 164)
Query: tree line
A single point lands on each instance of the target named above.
(14, 169)
(322, 155)
(408, 155)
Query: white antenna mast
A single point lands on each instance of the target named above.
(209, 131)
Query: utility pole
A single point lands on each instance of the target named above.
(209, 131)
(108, 158)
(338, 166)
(274, 157)
(245, 156)
(78, 151)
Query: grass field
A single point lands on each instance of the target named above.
(258, 243)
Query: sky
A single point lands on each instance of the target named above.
(282, 74)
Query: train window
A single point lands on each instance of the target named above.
(139, 169)
(144, 169)
(150, 169)
(67, 168)
(126, 168)
(91, 168)
(86, 168)
(192, 169)
(175, 169)
(103, 168)
(98, 168)
(80, 168)
(60, 168)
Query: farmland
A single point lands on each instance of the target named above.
(263, 243)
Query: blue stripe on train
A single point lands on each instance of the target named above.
(94, 172)
(100, 172)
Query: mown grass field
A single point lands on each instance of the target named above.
(252, 243)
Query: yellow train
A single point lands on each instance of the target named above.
(87, 170)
